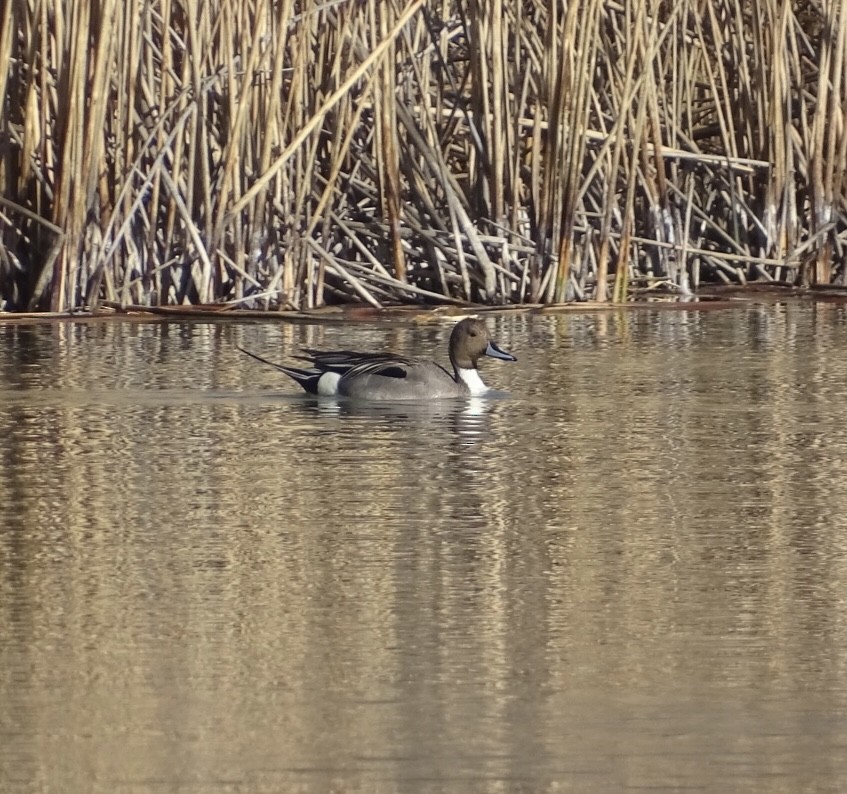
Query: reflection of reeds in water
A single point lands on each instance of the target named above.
(282, 154)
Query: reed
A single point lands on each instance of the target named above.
(273, 154)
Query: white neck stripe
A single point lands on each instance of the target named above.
(471, 379)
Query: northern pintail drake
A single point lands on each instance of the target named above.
(385, 376)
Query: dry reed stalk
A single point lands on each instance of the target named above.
(828, 152)
(386, 138)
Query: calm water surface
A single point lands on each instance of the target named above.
(629, 574)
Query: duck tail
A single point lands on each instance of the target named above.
(307, 378)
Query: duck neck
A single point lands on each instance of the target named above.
(469, 377)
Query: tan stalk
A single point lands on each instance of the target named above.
(389, 158)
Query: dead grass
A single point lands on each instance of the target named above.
(281, 154)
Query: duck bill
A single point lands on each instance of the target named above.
(495, 351)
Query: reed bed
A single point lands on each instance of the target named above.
(273, 154)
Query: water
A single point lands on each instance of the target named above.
(629, 574)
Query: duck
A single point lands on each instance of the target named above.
(387, 376)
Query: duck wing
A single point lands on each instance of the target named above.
(385, 366)
(347, 362)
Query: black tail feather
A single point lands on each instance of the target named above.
(307, 378)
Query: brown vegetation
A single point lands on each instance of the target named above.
(278, 154)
